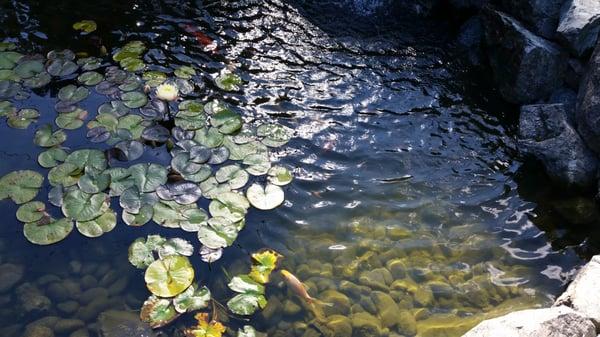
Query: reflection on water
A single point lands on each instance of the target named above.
(404, 213)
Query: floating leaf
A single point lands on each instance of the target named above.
(120, 180)
(183, 192)
(52, 157)
(226, 121)
(134, 99)
(71, 120)
(55, 195)
(264, 263)
(156, 133)
(169, 276)
(258, 164)
(140, 254)
(90, 78)
(133, 48)
(65, 54)
(154, 78)
(211, 188)
(175, 246)
(97, 226)
(210, 255)
(47, 230)
(73, 94)
(109, 111)
(228, 81)
(250, 297)
(9, 59)
(204, 328)
(148, 177)
(158, 312)
(229, 205)
(29, 68)
(140, 218)
(86, 26)
(23, 118)
(61, 67)
(170, 214)
(185, 72)
(38, 81)
(233, 175)
(265, 198)
(193, 298)
(88, 159)
(20, 186)
(219, 233)
(90, 63)
(81, 206)
(209, 137)
(279, 175)
(65, 174)
(93, 182)
(219, 155)
(31, 211)
(132, 64)
(274, 135)
(7, 108)
(44, 136)
(129, 150)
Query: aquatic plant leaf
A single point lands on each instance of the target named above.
(22, 118)
(185, 72)
(65, 174)
(73, 94)
(247, 331)
(230, 209)
(120, 180)
(274, 135)
(233, 175)
(135, 47)
(55, 195)
(156, 133)
(71, 120)
(228, 81)
(93, 182)
(89, 63)
(219, 233)
(61, 67)
(187, 122)
(65, 54)
(81, 206)
(90, 78)
(7, 108)
(219, 155)
(158, 312)
(9, 89)
(9, 59)
(154, 78)
(203, 173)
(171, 214)
(211, 188)
(129, 150)
(39, 80)
(29, 68)
(209, 137)
(210, 255)
(132, 64)
(265, 198)
(194, 219)
(88, 159)
(47, 231)
(244, 284)
(20, 186)
(52, 157)
(183, 164)
(97, 226)
(264, 263)
(175, 246)
(9, 75)
(241, 151)
(44, 136)
(258, 164)
(140, 218)
(204, 328)
(31, 211)
(148, 177)
(169, 276)
(182, 192)
(133, 124)
(280, 176)
(246, 304)
(167, 92)
(193, 298)
(109, 111)
(132, 199)
(226, 121)
(86, 26)
(140, 254)
(134, 99)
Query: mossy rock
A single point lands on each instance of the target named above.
(340, 302)
(376, 279)
(366, 325)
(397, 268)
(387, 310)
(339, 326)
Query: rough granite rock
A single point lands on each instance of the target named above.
(548, 322)
(526, 67)
(545, 133)
(587, 115)
(582, 294)
(579, 25)
(540, 15)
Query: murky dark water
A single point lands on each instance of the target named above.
(406, 177)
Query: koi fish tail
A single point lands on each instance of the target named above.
(316, 307)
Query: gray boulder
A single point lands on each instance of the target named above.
(540, 15)
(579, 25)
(525, 66)
(587, 114)
(582, 294)
(549, 322)
(545, 133)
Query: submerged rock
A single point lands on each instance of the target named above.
(32, 299)
(365, 325)
(540, 15)
(579, 25)
(340, 326)
(549, 322)
(113, 323)
(378, 278)
(10, 275)
(582, 294)
(545, 133)
(38, 331)
(526, 67)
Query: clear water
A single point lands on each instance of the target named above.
(407, 183)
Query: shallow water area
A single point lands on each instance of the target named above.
(406, 211)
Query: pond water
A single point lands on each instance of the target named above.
(408, 212)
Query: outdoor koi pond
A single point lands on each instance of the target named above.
(163, 162)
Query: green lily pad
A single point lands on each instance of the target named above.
(81, 206)
(143, 216)
(90, 78)
(31, 211)
(61, 67)
(110, 111)
(86, 26)
(258, 164)
(90, 63)
(38, 81)
(154, 78)
(65, 174)
(185, 72)
(132, 82)
(148, 177)
(44, 136)
(182, 192)
(209, 137)
(175, 246)
(29, 68)
(190, 122)
(133, 124)
(192, 299)
(134, 99)
(233, 175)
(274, 135)
(20, 186)
(71, 120)
(7, 108)
(52, 157)
(250, 298)
(264, 263)
(171, 214)
(280, 176)
(211, 188)
(265, 198)
(158, 312)
(131, 49)
(73, 94)
(88, 159)
(169, 276)
(9, 59)
(219, 233)
(22, 118)
(228, 81)
(132, 200)
(226, 121)
(140, 254)
(47, 230)
(130, 149)
(93, 182)
(247, 331)
(9, 75)
(97, 226)
(132, 64)
(120, 180)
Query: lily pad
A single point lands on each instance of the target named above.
(233, 175)
(264, 263)
(129, 150)
(86, 26)
(211, 188)
(20, 186)
(250, 298)
(226, 121)
(182, 192)
(158, 312)
(274, 135)
(88, 159)
(140, 254)
(219, 233)
(97, 226)
(31, 211)
(142, 217)
(210, 255)
(93, 182)
(228, 81)
(90, 78)
(204, 328)
(193, 298)
(280, 176)
(38, 80)
(65, 174)
(148, 177)
(52, 157)
(265, 198)
(7, 108)
(170, 214)
(185, 72)
(209, 137)
(132, 199)
(169, 276)
(9, 59)
(258, 164)
(113, 109)
(29, 68)
(44, 136)
(47, 230)
(81, 206)
(71, 120)
(132, 64)
(156, 133)
(61, 67)
(175, 246)
(134, 99)
(22, 118)
(89, 63)
(154, 78)
(73, 94)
